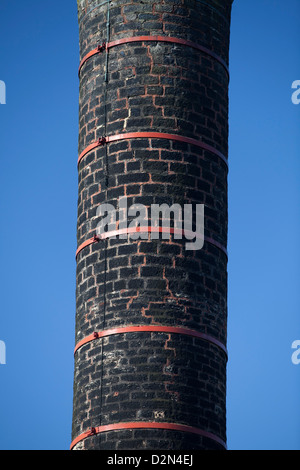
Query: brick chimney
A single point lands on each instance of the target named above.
(151, 316)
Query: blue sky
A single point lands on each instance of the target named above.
(38, 197)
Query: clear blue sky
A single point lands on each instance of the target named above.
(38, 196)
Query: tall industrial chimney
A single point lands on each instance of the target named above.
(151, 320)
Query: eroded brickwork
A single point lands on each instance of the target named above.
(167, 88)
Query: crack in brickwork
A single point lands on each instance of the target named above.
(169, 370)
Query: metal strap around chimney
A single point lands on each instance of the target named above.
(151, 329)
(129, 230)
(88, 242)
(151, 135)
(105, 46)
(145, 425)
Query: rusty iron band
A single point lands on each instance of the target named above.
(151, 329)
(151, 135)
(144, 425)
(106, 46)
(171, 231)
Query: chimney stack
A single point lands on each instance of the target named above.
(151, 315)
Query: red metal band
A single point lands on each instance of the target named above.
(151, 329)
(143, 425)
(151, 135)
(184, 42)
(129, 230)
(217, 244)
(88, 242)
